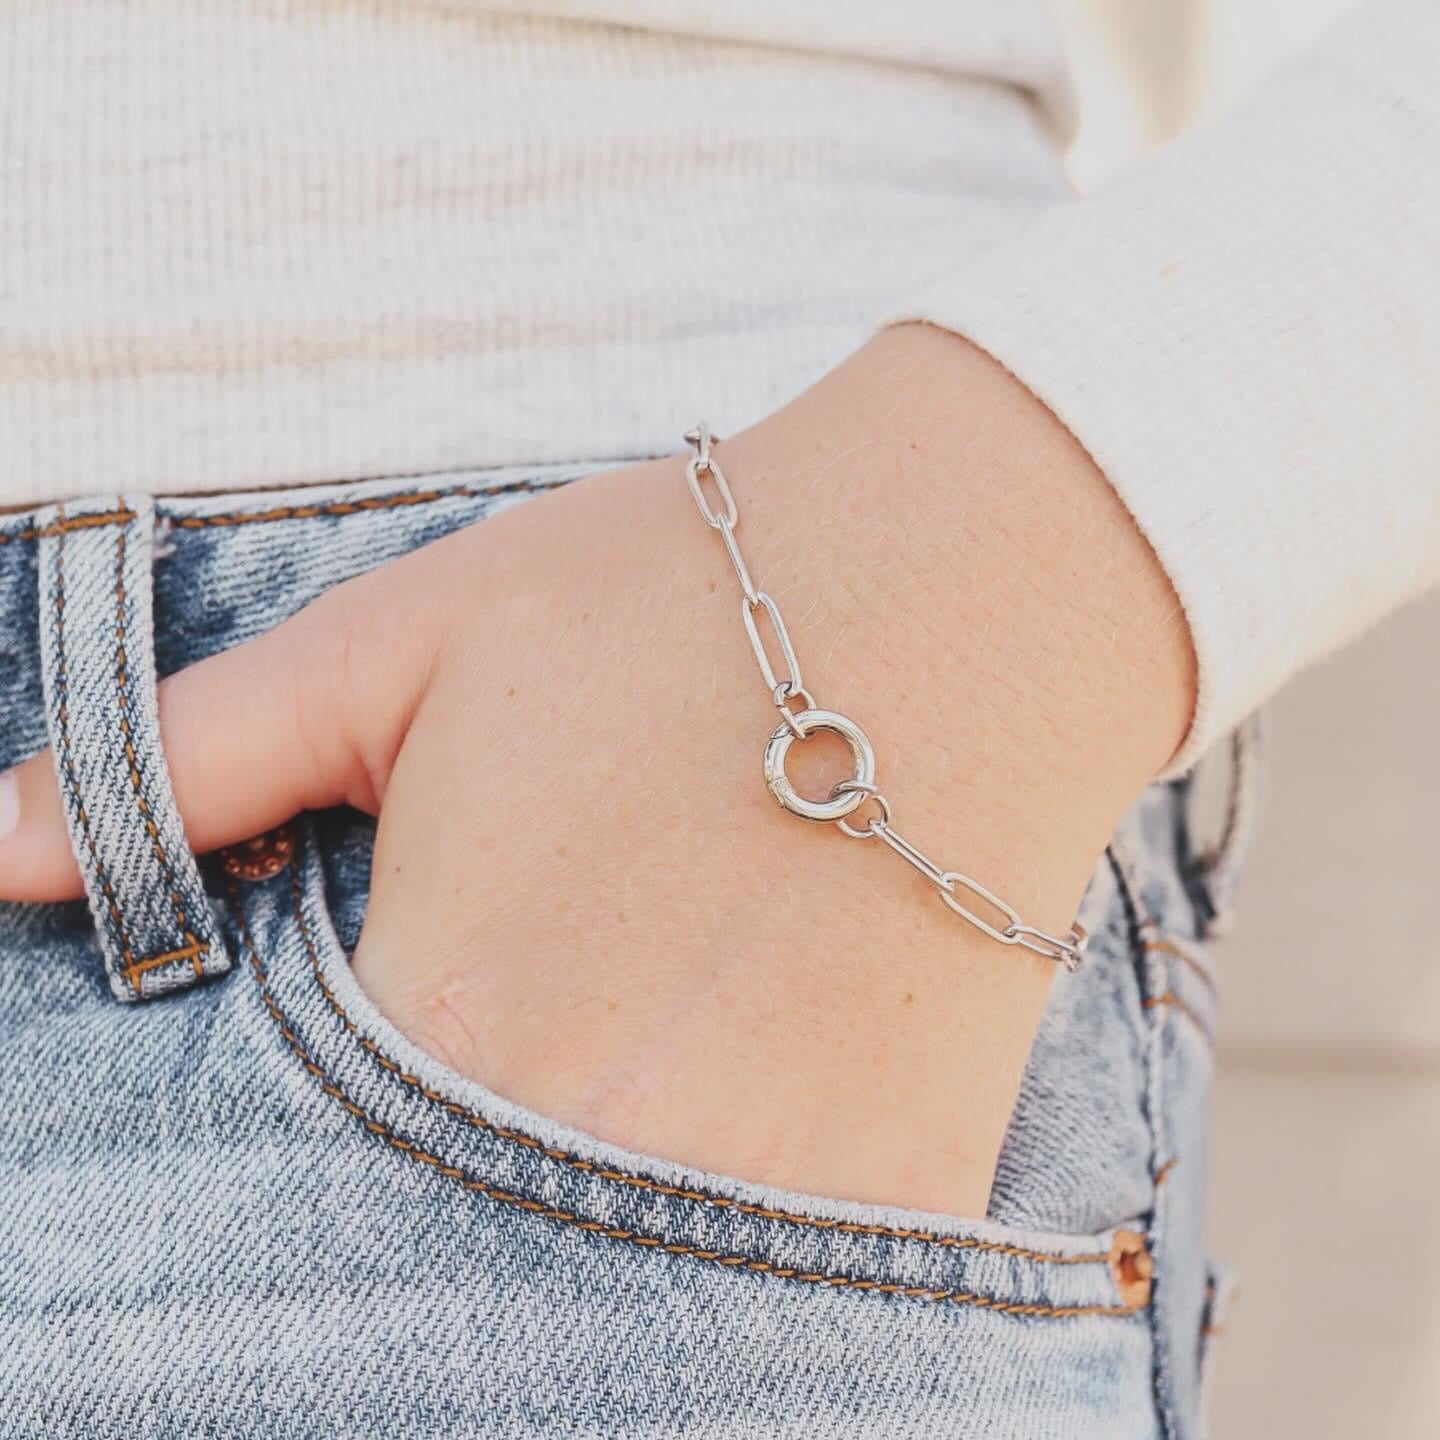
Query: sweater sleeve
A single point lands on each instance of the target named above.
(1243, 330)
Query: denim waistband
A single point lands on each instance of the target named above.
(100, 597)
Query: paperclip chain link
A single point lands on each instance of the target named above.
(958, 890)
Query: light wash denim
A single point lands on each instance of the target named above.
(237, 1203)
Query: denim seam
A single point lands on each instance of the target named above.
(355, 507)
(63, 526)
(753, 1264)
(194, 949)
(1169, 1000)
(1166, 945)
(72, 779)
(1160, 943)
(293, 512)
(642, 1182)
(1143, 962)
(1159, 1003)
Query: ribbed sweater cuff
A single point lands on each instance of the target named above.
(1243, 332)
(1073, 312)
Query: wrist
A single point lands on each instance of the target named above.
(960, 577)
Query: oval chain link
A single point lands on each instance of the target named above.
(701, 464)
(792, 683)
(847, 796)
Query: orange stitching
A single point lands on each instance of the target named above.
(62, 717)
(1163, 1173)
(310, 512)
(1169, 947)
(353, 507)
(477, 1186)
(194, 948)
(1172, 999)
(641, 1182)
(293, 512)
(63, 526)
(151, 962)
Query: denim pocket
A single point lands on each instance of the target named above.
(730, 1309)
(507, 1157)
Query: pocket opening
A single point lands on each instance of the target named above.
(467, 1136)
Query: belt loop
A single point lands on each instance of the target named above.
(157, 929)
(1222, 866)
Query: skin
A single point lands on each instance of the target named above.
(583, 895)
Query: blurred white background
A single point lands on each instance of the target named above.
(1326, 1147)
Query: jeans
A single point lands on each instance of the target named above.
(238, 1203)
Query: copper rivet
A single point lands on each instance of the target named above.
(1132, 1267)
(261, 856)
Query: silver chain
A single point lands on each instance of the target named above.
(849, 795)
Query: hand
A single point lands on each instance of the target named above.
(582, 894)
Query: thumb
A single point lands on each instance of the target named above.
(310, 714)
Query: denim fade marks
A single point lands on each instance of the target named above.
(253, 1209)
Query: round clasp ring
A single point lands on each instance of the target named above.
(800, 725)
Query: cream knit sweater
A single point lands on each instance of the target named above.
(247, 244)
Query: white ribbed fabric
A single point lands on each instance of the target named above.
(246, 245)
(1244, 331)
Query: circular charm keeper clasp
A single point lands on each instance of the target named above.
(800, 725)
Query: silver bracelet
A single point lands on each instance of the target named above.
(848, 795)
